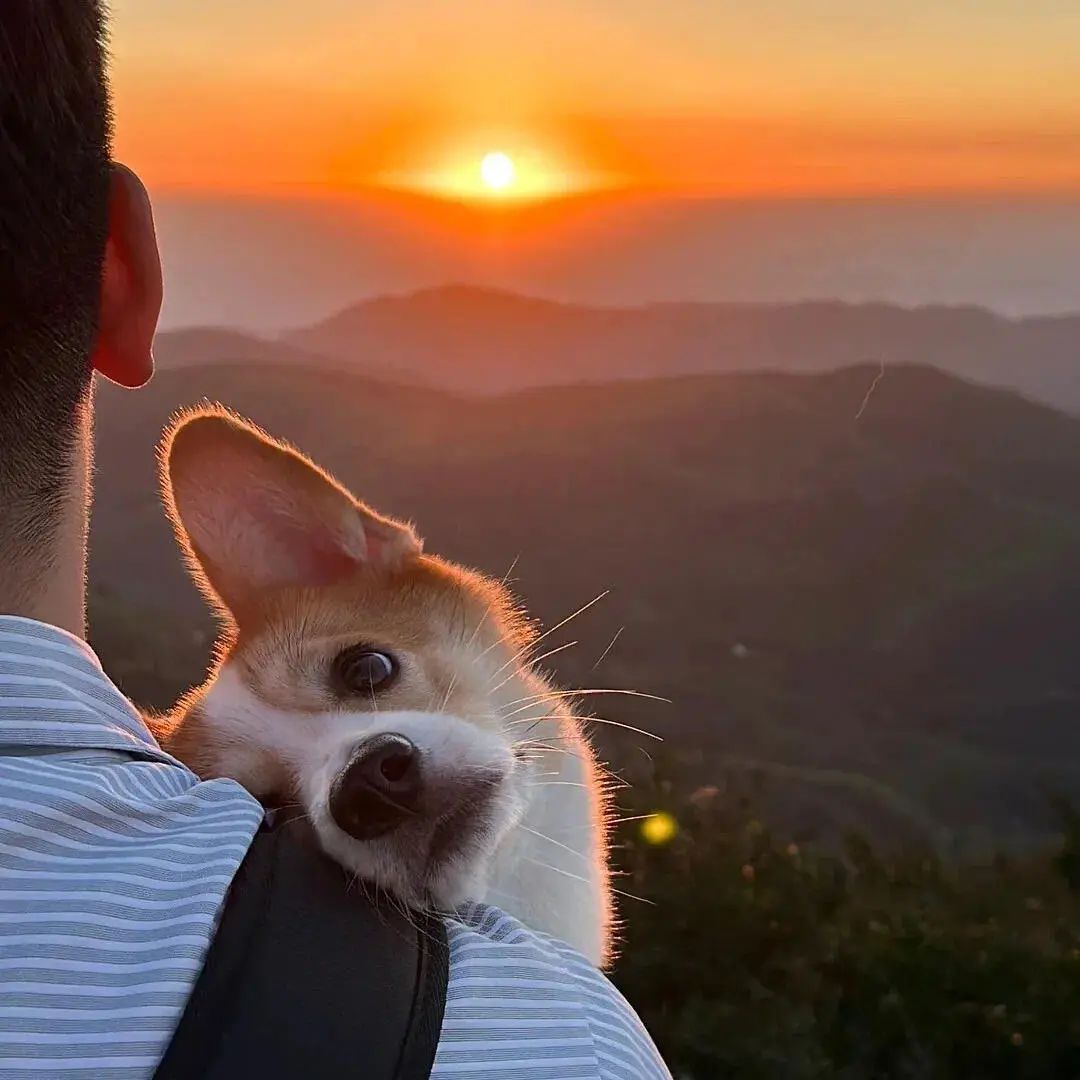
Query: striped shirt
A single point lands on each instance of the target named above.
(114, 864)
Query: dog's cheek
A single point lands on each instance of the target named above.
(260, 771)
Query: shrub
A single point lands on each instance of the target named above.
(756, 957)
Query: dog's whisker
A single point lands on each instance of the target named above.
(589, 720)
(476, 630)
(399, 906)
(611, 821)
(533, 719)
(633, 896)
(556, 843)
(619, 724)
(553, 695)
(513, 566)
(450, 686)
(603, 656)
(585, 881)
(532, 663)
(556, 869)
(543, 747)
(547, 633)
(588, 691)
(291, 821)
(468, 645)
(533, 722)
(602, 770)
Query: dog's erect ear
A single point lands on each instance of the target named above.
(254, 515)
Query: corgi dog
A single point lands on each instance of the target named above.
(384, 691)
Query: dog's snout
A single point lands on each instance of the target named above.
(379, 788)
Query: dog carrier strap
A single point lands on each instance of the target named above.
(308, 977)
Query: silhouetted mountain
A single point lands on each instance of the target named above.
(482, 341)
(212, 344)
(876, 597)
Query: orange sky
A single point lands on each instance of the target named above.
(802, 97)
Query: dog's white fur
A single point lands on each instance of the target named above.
(301, 570)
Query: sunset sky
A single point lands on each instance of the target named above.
(692, 96)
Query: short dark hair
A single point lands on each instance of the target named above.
(55, 133)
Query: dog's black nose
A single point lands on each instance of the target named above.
(379, 789)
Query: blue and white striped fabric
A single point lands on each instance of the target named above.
(524, 1006)
(115, 861)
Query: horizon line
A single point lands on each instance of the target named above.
(520, 296)
(361, 192)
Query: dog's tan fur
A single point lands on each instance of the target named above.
(461, 642)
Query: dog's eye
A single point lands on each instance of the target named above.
(363, 670)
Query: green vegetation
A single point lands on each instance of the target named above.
(758, 957)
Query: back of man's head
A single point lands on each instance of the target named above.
(54, 200)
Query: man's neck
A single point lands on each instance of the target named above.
(47, 581)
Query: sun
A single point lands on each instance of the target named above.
(498, 171)
(495, 170)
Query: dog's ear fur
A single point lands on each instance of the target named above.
(254, 515)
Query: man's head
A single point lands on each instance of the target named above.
(80, 282)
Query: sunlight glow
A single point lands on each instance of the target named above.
(497, 170)
(467, 167)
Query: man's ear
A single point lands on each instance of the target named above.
(254, 515)
(131, 285)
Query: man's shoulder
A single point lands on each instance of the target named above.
(546, 1008)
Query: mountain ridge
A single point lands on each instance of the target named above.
(486, 341)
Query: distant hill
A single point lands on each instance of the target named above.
(827, 585)
(215, 345)
(481, 341)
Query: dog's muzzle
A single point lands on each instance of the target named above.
(379, 789)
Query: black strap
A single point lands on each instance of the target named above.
(308, 977)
